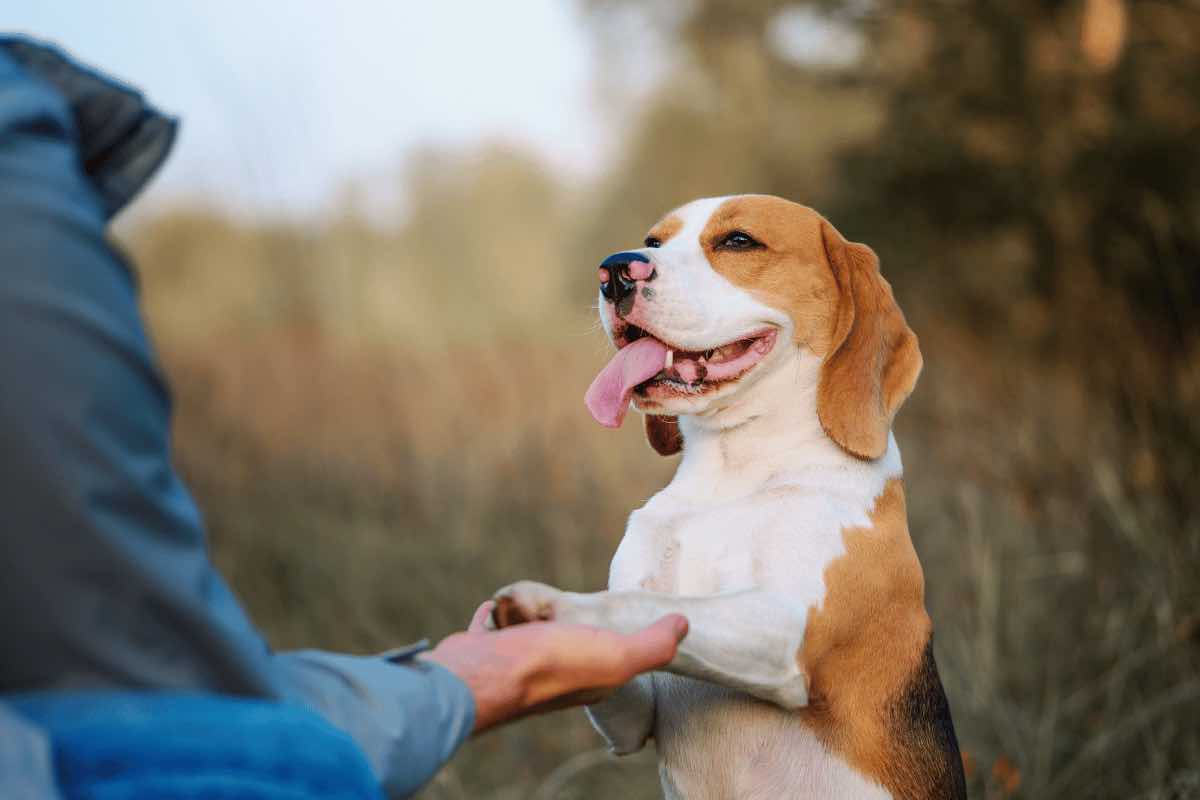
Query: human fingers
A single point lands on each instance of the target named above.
(480, 617)
(575, 658)
(654, 646)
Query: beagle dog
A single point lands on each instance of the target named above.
(771, 351)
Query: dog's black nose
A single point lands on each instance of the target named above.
(620, 272)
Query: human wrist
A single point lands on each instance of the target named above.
(501, 674)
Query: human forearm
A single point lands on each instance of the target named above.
(408, 718)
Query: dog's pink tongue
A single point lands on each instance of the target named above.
(608, 396)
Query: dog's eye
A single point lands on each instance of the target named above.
(653, 241)
(739, 240)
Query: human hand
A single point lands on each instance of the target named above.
(541, 666)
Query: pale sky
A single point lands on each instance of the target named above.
(281, 101)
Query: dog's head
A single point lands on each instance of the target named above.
(727, 290)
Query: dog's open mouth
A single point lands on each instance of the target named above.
(655, 369)
(696, 371)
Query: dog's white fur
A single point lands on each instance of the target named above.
(738, 542)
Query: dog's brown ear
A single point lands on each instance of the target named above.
(663, 434)
(873, 360)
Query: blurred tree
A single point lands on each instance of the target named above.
(1070, 125)
(1048, 149)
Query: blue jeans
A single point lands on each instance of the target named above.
(127, 746)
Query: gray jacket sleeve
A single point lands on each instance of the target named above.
(105, 579)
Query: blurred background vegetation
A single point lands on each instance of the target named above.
(383, 418)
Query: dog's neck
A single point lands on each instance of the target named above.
(766, 434)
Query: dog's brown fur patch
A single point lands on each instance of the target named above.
(789, 272)
(665, 228)
(874, 695)
(662, 432)
(507, 612)
(876, 359)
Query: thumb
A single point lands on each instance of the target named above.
(479, 620)
(654, 646)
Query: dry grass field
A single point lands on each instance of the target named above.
(364, 491)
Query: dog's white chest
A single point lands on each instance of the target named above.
(715, 742)
(680, 551)
(781, 539)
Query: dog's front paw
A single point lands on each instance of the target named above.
(526, 601)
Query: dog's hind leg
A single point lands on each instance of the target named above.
(626, 719)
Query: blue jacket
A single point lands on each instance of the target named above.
(105, 581)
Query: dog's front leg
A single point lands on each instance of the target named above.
(626, 719)
(748, 640)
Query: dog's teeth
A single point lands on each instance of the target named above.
(670, 359)
(708, 354)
